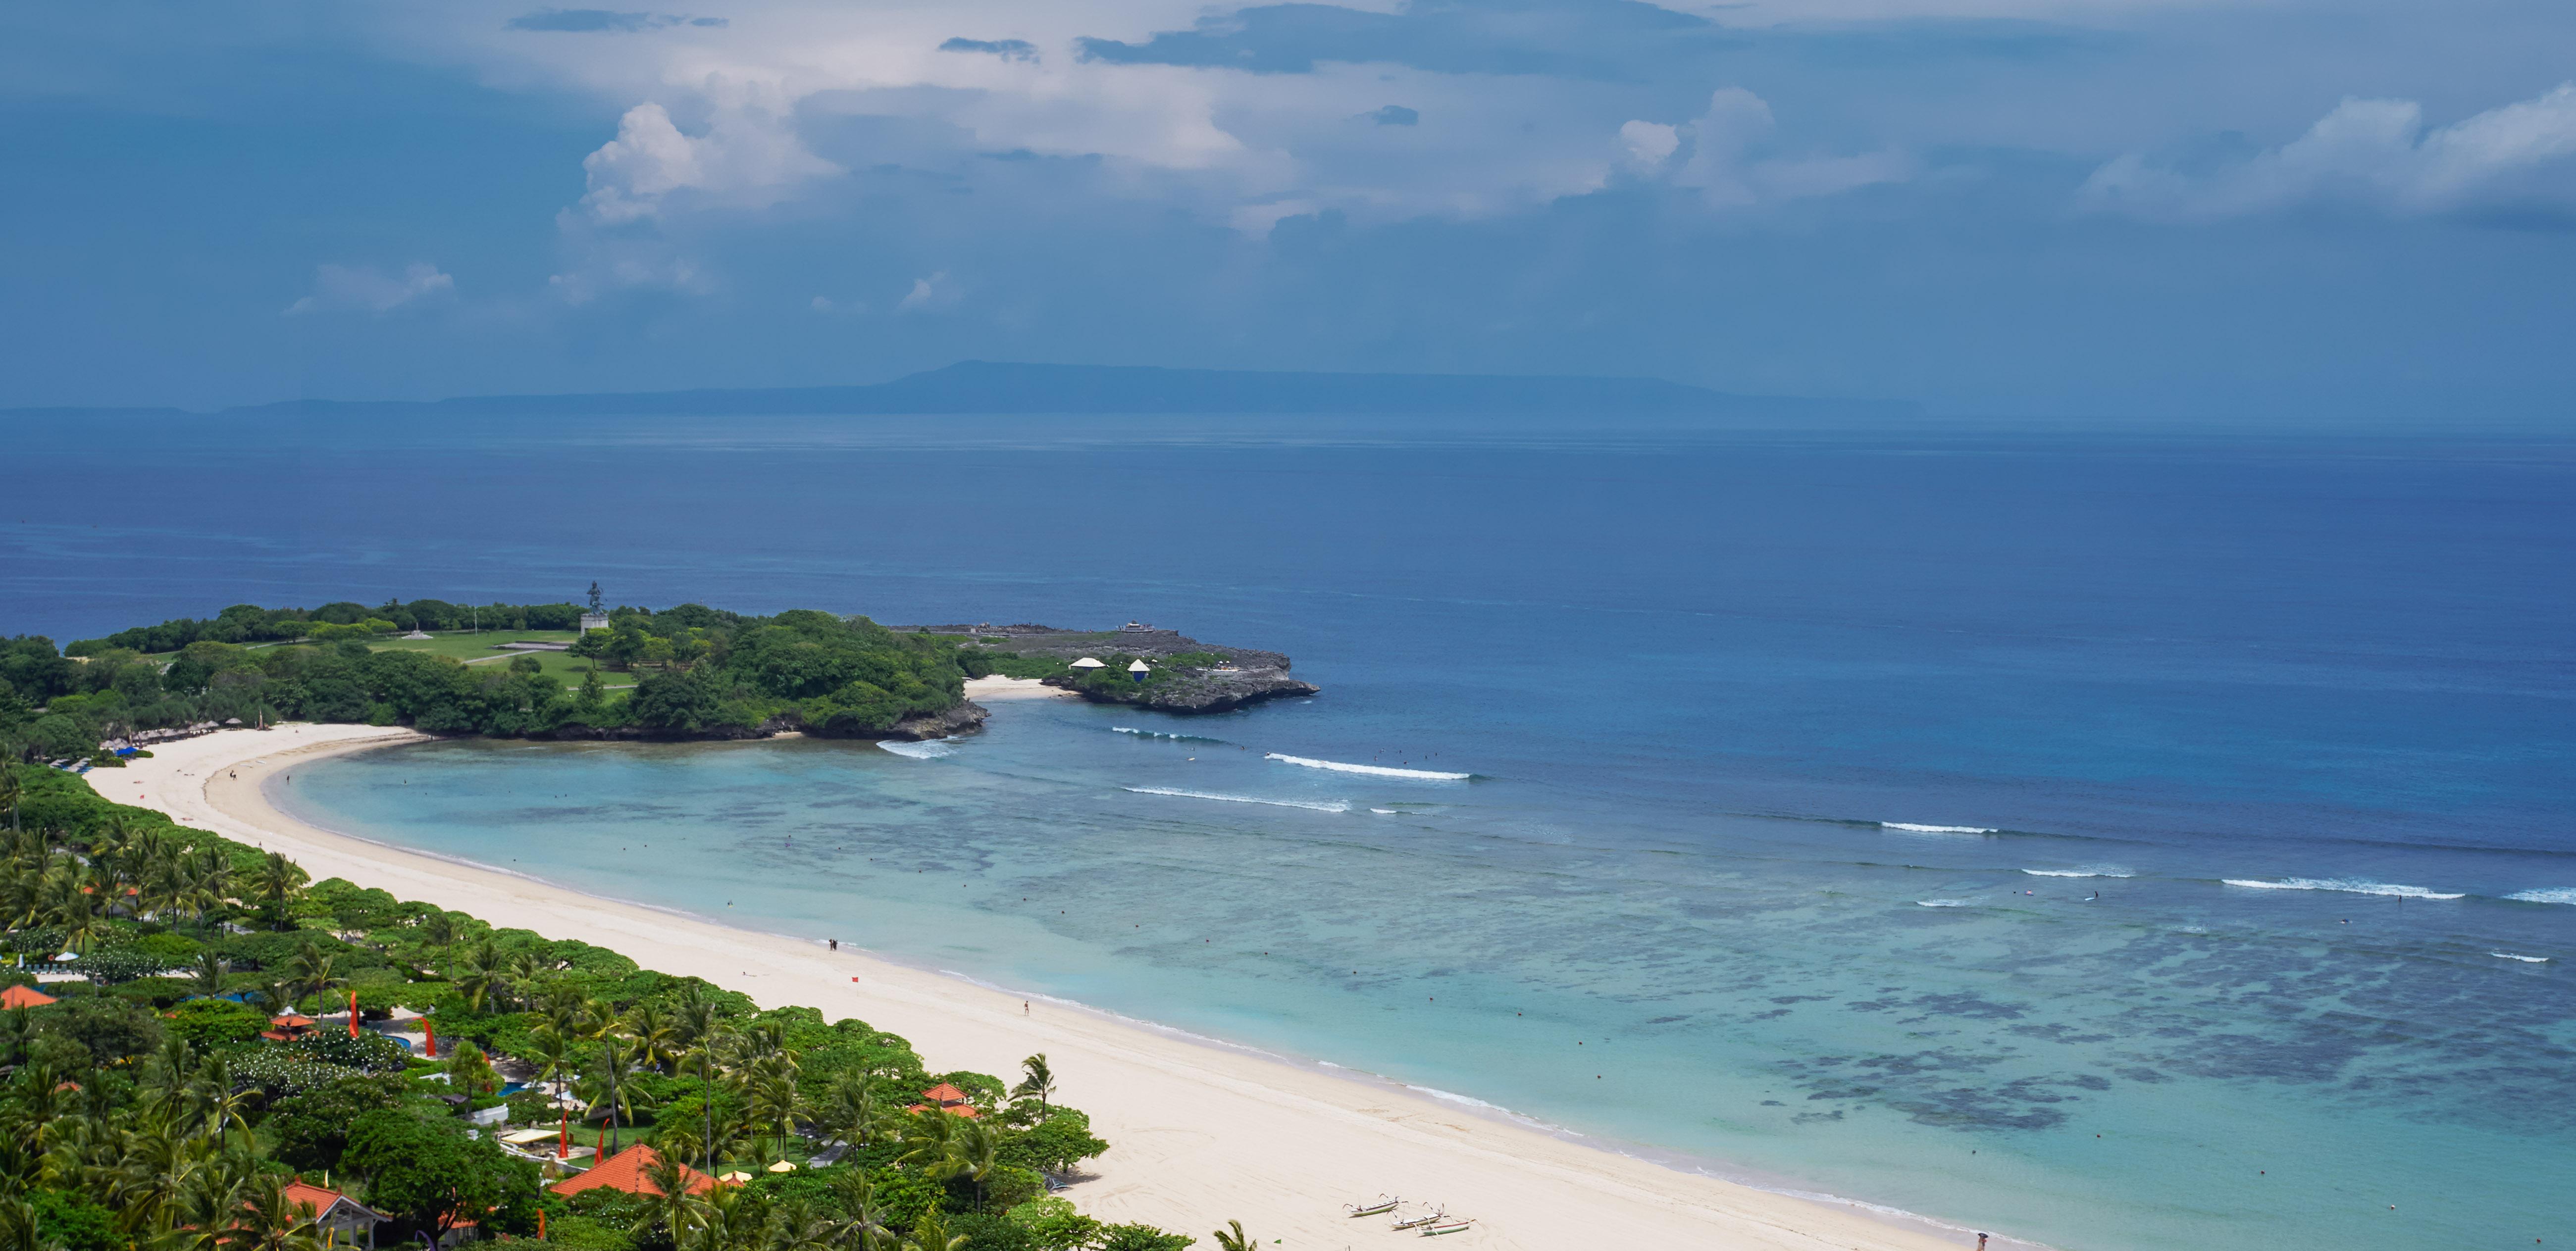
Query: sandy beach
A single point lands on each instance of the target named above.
(1201, 1134)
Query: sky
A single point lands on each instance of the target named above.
(2301, 210)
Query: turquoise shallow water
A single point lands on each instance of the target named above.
(1904, 1017)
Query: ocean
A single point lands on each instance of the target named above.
(2114, 841)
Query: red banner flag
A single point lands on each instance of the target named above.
(353, 1013)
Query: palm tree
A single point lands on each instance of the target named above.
(1040, 1080)
(553, 1053)
(930, 1233)
(10, 793)
(206, 977)
(439, 929)
(977, 1153)
(480, 975)
(279, 880)
(610, 1095)
(269, 1221)
(850, 1109)
(600, 1023)
(930, 1144)
(18, 1230)
(863, 1220)
(655, 1035)
(670, 1208)
(313, 970)
(769, 1090)
(1232, 1238)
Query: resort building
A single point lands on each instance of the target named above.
(24, 997)
(627, 1170)
(947, 1098)
(342, 1218)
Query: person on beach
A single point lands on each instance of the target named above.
(1981, 1242)
(836, 943)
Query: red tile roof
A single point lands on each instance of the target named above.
(318, 1201)
(943, 1093)
(964, 1110)
(24, 997)
(626, 1171)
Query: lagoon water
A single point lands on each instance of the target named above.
(2117, 842)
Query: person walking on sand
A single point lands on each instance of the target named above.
(1981, 1242)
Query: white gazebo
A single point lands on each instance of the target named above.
(1087, 664)
(1137, 670)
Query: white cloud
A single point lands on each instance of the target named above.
(2374, 154)
(366, 289)
(748, 157)
(1650, 144)
(932, 292)
(1727, 162)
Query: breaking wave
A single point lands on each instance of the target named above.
(2507, 955)
(2547, 894)
(1912, 828)
(1163, 734)
(1375, 771)
(1945, 903)
(1177, 793)
(2348, 885)
(2107, 870)
(930, 750)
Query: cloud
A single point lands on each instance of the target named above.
(1650, 144)
(748, 157)
(2375, 155)
(366, 289)
(604, 21)
(1393, 115)
(933, 292)
(1007, 49)
(1728, 154)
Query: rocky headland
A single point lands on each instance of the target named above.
(1185, 675)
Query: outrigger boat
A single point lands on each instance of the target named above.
(1416, 1222)
(1447, 1227)
(1378, 1206)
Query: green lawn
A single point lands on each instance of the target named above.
(469, 646)
(561, 666)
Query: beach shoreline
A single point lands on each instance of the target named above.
(1203, 1131)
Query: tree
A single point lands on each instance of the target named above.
(279, 881)
(431, 1176)
(930, 1233)
(1232, 1238)
(1039, 1080)
(1142, 1238)
(270, 1221)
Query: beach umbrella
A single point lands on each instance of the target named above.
(353, 1014)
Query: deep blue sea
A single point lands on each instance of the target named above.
(2116, 841)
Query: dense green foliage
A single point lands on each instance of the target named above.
(147, 1112)
(697, 672)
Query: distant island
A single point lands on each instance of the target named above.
(1002, 387)
(566, 671)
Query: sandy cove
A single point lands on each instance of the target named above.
(1200, 1134)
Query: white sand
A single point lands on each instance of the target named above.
(986, 690)
(1200, 1134)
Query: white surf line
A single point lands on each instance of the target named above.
(1911, 828)
(2352, 886)
(1378, 771)
(1178, 793)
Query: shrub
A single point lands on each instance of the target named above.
(212, 1025)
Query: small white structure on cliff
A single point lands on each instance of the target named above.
(1087, 664)
(1137, 670)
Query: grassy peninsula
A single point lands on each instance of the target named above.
(155, 1105)
(684, 672)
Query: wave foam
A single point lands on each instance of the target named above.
(1178, 793)
(2547, 894)
(2507, 955)
(1375, 771)
(2348, 885)
(931, 749)
(1911, 828)
(1163, 734)
(2107, 870)
(1945, 903)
